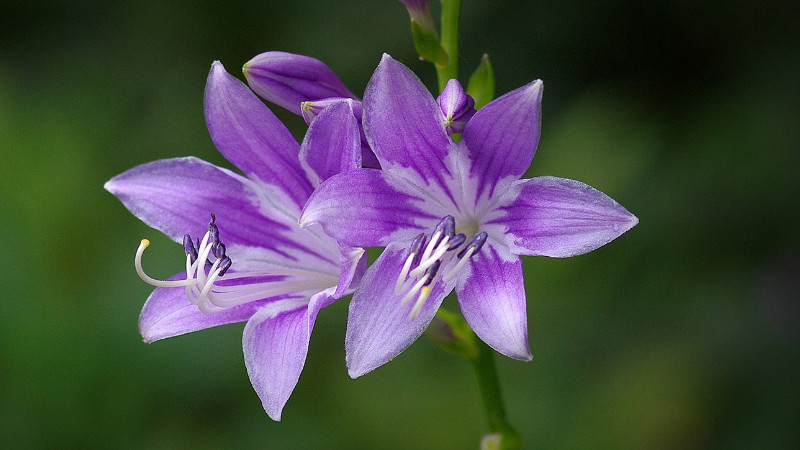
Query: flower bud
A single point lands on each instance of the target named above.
(457, 107)
(287, 79)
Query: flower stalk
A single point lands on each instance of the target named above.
(451, 11)
(452, 333)
(489, 386)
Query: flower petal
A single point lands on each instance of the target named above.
(378, 326)
(177, 196)
(364, 208)
(311, 109)
(492, 298)
(288, 79)
(169, 313)
(558, 217)
(247, 133)
(332, 143)
(352, 265)
(403, 123)
(503, 135)
(275, 343)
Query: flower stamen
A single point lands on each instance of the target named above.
(423, 268)
(464, 255)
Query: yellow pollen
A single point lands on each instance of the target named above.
(426, 290)
(146, 243)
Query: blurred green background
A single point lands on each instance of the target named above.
(683, 333)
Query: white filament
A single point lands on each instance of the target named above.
(398, 287)
(460, 265)
(209, 297)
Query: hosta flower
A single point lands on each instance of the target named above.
(247, 259)
(452, 216)
(306, 86)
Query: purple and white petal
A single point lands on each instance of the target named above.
(491, 294)
(249, 135)
(363, 208)
(332, 143)
(403, 123)
(177, 196)
(503, 135)
(275, 343)
(169, 313)
(378, 326)
(558, 217)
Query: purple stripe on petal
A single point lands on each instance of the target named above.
(558, 217)
(275, 343)
(492, 299)
(332, 143)
(288, 79)
(361, 209)
(403, 123)
(169, 313)
(247, 133)
(503, 135)
(378, 326)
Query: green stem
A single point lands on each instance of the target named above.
(489, 385)
(452, 333)
(451, 10)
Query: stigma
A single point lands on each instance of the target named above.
(425, 262)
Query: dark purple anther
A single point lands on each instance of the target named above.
(219, 250)
(447, 227)
(431, 272)
(224, 265)
(456, 241)
(476, 243)
(213, 230)
(416, 248)
(189, 248)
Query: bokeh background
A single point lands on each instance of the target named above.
(683, 333)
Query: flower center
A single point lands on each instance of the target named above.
(207, 263)
(424, 262)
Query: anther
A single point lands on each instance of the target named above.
(416, 247)
(456, 241)
(464, 255)
(189, 248)
(431, 273)
(447, 226)
(213, 230)
(476, 243)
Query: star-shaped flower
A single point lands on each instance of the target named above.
(272, 274)
(452, 215)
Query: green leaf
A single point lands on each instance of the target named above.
(427, 45)
(481, 83)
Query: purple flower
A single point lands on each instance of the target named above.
(452, 216)
(268, 272)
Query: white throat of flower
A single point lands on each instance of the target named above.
(208, 286)
(422, 265)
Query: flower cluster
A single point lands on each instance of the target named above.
(453, 214)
